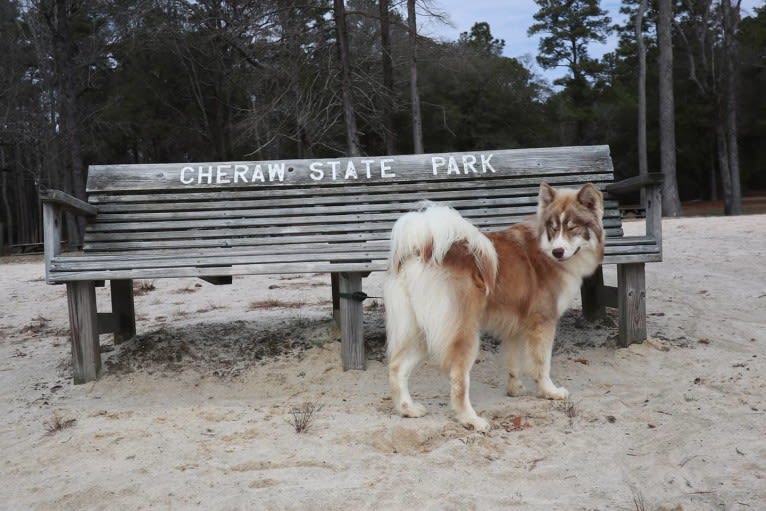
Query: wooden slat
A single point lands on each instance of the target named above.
(392, 169)
(324, 195)
(259, 269)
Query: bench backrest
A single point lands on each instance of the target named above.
(210, 207)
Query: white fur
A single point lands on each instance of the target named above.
(441, 227)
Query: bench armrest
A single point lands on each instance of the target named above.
(54, 203)
(636, 183)
(66, 201)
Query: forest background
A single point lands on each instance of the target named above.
(93, 81)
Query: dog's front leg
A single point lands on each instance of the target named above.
(541, 350)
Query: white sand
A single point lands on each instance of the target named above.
(188, 419)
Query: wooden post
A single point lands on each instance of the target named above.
(51, 234)
(86, 353)
(631, 301)
(592, 307)
(123, 310)
(335, 298)
(351, 328)
(654, 214)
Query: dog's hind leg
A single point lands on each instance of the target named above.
(404, 344)
(402, 362)
(460, 360)
(540, 352)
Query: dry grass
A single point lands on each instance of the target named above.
(302, 417)
(57, 423)
(275, 304)
(38, 324)
(142, 287)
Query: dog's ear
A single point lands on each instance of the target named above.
(592, 198)
(547, 194)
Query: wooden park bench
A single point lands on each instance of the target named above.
(219, 220)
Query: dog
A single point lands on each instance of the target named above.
(447, 281)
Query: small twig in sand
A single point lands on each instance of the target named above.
(58, 423)
(303, 416)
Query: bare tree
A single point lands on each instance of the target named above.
(417, 120)
(730, 23)
(352, 137)
(671, 203)
(643, 165)
(388, 77)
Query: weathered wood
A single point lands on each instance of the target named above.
(86, 354)
(334, 285)
(636, 183)
(352, 334)
(592, 308)
(654, 215)
(401, 168)
(51, 234)
(123, 310)
(631, 298)
(107, 322)
(520, 185)
(68, 202)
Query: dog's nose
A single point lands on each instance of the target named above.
(558, 253)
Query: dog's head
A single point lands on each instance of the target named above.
(570, 221)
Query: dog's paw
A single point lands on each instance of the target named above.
(558, 393)
(411, 409)
(476, 423)
(515, 389)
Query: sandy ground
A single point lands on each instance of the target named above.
(196, 412)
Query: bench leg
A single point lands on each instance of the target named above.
(86, 353)
(123, 310)
(631, 302)
(335, 297)
(351, 328)
(593, 308)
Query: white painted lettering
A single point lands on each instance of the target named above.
(190, 179)
(205, 174)
(334, 165)
(436, 162)
(384, 167)
(258, 174)
(452, 166)
(485, 163)
(276, 170)
(468, 161)
(240, 172)
(221, 176)
(367, 164)
(316, 171)
(350, 171)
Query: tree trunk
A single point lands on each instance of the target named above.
(723, 166)
(352, 137)
(730, 23)
(388, 78)
(63, 49)
(643, 165)
(9, 227)
(417, 121)
(671, 203)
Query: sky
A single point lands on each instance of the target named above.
(510, 19)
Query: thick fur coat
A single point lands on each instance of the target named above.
(447, 281)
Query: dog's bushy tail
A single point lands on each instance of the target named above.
(430, 232)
